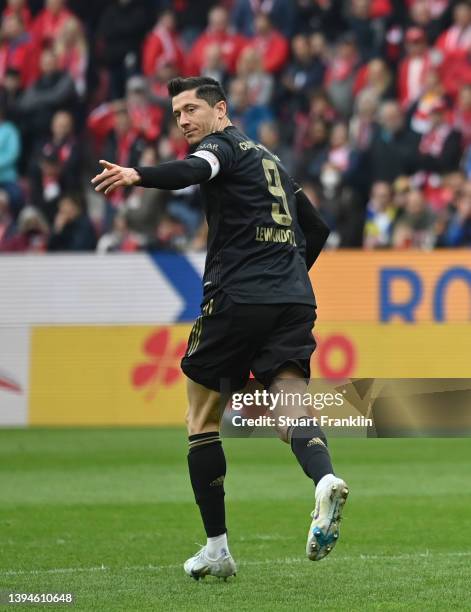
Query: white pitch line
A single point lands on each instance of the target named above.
(285, 561)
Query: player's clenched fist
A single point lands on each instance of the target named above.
(114, 176)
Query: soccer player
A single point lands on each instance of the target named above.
(258, 307)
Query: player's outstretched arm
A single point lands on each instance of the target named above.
(313, 226)
(169, 175)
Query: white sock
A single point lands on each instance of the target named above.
(215, 546)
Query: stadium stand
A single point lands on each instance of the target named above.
(367, 101)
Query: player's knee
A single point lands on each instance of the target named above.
(201, 422)
(282, 431)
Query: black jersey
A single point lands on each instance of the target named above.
(256, 248)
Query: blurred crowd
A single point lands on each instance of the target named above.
(366, 102)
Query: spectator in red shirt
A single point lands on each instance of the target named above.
(17, 50)
(413, 68)
(457, 38)
(124, 145)
(162, 46)
(49, 22)
(271, 44)
(20, 8)
(217, 32)
(146, 117)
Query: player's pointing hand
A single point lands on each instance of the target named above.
(114, 176)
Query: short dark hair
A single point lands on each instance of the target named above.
(206, 88)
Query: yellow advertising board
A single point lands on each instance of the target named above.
(126, 375)
(391, 286)
(130, 375)
(378, 350)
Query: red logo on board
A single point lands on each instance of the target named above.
(8, 384)
(163, 364)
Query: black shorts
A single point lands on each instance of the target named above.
(229, 340)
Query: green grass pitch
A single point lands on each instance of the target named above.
(108, 515)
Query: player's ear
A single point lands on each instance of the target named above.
(221, 108)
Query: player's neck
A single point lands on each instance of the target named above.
(226, 122)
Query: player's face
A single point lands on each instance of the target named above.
(195, 117)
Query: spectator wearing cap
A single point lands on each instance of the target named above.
(282, 13)
(50, 21)
(73, 230)
(217, 32)
(413, 68)
(270, 43)
(17, 50)
(163, 46)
